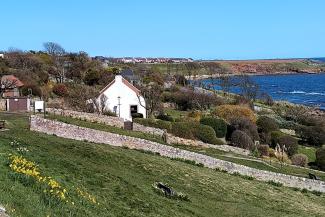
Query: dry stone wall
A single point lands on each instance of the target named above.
(104, 119)
(80, 133)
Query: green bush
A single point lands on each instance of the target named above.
(207, 134)
(165, 117)
(320, 158)
(275, 135)
(219, 125)
(194, 130)
(137, 115)
(154, 123)
(242, 140)
(290, 143)
(266, 124)
(313, 135)
(184, 129)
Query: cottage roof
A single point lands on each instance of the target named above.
(124, 81)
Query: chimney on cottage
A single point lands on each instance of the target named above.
(118, 78)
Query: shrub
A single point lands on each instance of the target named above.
(219, 125)
(195, 115)
(163, 125)
(272, 152)
(266, 124)
(60, 90)
(194, 130)
(137, 115)
(299, 160)
(229, 112)
(313, 135)
(154, 123)
(320, 158)
(242, 140)
(207, 134)
(184, 129)
(108, 112)
(244, 124)
(263, 150)
(275, 135)
(290, 143)
(165, 117)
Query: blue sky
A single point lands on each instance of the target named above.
(221, 29)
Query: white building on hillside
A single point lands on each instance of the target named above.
(123, 98)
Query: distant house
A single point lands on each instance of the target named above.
(129, 75)
(122, 98)
(10, 86)
(2, 55)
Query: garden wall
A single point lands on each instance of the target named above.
(80, 133)
(104, 119)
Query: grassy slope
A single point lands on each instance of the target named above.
(310, 152)
(121, 180)
(275, 167)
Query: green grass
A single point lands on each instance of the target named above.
(247, 161)
(121, 180)
(107, 128)
(176, 113)
(268, 166)
(310, 152)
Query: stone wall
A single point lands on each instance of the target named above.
(3, 104)
(104, 119)
(171, 139)
(80, 133)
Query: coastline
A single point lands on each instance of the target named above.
(205, 76)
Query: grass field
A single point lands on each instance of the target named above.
(121, 181)
(235, 158)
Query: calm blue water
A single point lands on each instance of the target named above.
(307, 89)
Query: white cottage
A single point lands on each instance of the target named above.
(123, 98)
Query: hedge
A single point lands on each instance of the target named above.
(154, 123)
(194, 130)
(219, 125)
(165, 117)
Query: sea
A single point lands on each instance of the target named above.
(305, 89)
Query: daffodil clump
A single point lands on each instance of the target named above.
(20, 165)
(87, 196)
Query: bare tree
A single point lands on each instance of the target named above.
(53, 49)
(7, 84)
(59, 60)
(100, 103)
(152, 95)
(249, 88)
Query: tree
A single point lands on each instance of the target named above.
(100, 103)
(53, 49)
(60, 63)
(152, 94)
(248, 88)
(225, 83)
(7, 84)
